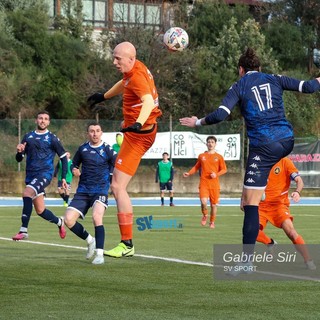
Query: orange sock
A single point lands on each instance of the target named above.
(262, 237)
(125, 221)
(298, 240)
(212, 217)
(204, 211)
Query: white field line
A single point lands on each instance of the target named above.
(169, 260)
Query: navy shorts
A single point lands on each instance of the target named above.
(82, 202)
(166, 186)
(262, 159)
(38, 185)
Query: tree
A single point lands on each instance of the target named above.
(303, 14)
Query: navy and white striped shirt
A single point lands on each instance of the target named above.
(97, 164)
(261, 103)
(41, 149)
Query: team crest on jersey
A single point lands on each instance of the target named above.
(277, 170)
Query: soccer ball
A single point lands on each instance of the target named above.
(176, 39)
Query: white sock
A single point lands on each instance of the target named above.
(99, 252)
(89, 238)
(23, 229)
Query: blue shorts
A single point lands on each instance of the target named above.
(166, 185)
(82, 202)
(38, 185)
(262, 159)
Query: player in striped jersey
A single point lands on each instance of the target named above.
(40, 147)
(96, 160)
(259, 96)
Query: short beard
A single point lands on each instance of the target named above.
(40, 129)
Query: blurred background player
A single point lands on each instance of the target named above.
(140, 107)
(119, 140)
(64, 193)
(40, 146)
(96, 159)
(275, 206)
(164, 174)
(211, 165)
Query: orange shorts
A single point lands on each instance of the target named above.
(275, 214)
(133, 147)
(212, 194)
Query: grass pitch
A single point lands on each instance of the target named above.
(49, 278)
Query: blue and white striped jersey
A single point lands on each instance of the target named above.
(96, 165)
(40, 150)
(260, 98)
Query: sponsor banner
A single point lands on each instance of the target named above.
(187, 145)
(306, 157)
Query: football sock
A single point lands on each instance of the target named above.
(212, 217)
(171, 199)
(162, 200)
(250, 228)
(62, 195)
(298, 240)
(302, 248)
(262, 237)
(49, 216)
(79, 231)
(26, 212)
(125, 221)
(128, 243)
(204, 210)
(66, 198)
(99, 235)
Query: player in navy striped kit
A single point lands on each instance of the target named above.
(96, 160)
(40, 147)
(259, 96)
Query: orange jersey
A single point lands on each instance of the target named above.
(209, 163)
(279, 180)
(137, 83)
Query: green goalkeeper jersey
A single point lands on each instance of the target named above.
(164, 172)
(69, 175)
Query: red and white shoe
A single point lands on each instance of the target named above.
(20, 236)
(211, 225)
(62, 229)
(204, 220)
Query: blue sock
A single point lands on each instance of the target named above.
(250, 228)
(99, 235)
(80, 231)
(49, 216)
(26, 211)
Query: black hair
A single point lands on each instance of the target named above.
(43, 112)
(93, 123)
(249, 61)
(211, 138)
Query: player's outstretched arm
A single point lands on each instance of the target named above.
(100, 97)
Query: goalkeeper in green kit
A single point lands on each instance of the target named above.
(164, 175)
